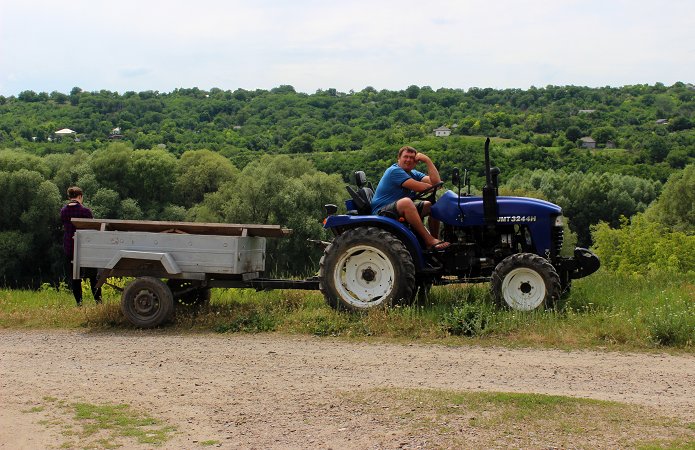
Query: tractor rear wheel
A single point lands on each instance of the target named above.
(524, 282)
(366, 268)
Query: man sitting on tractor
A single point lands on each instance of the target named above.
(397, 188)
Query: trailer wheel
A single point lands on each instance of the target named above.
(186, 293)
(524, 282)
(147, 302)
(365, 268)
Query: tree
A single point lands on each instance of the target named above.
(303, 143)
(151, 180)
(657, 148)
(675, 208)
(573, 133)
(29, 240)
(679, 123)
(112, 167)
(200, 172)
(603, 134)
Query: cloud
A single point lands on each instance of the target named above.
(312, 44)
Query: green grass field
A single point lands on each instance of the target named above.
(604, 310)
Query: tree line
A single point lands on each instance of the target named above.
(241, 124)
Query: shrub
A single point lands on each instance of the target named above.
(642, 247)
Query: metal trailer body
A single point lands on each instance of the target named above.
(193, 257)
(184, 256)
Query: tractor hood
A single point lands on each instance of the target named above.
(509, 209)
(538, 215)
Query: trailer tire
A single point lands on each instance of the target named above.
(193, 296)
(524, 282)
(147, 302)
(365, 268)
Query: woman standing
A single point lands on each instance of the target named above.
(75, 208)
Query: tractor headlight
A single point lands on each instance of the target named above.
(559, 221)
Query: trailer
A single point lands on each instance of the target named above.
(192, 257)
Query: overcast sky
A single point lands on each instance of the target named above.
(138, 45)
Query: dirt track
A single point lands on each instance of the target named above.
(274, 391)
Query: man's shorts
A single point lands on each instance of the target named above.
(392, 211)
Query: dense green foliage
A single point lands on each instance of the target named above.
(277, 156)
(662, 240)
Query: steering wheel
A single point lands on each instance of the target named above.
(429, 193)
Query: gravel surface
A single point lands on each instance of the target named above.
(279, 391)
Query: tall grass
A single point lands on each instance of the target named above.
(603, 310)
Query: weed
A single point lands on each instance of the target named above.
(469, 319)
(672, 324)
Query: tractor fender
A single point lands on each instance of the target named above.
(340, 223)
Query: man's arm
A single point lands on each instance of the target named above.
(428, 181)
(416, 186)
(432, 172)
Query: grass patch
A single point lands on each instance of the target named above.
(450, 419)
(86, 425)
(618, 312)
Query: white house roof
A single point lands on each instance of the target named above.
(65, 131)
(442, 129)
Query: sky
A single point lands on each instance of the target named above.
(141, 45)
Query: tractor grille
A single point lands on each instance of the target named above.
(556, 243)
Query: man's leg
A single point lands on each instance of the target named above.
(424, 208)
(409, 211)
(433, 225)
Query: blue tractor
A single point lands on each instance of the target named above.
(512, 242)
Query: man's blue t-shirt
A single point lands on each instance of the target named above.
(390, 187)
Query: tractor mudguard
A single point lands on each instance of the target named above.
(343, 221)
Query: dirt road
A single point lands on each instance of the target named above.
(276, 391)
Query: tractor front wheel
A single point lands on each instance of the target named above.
(365, 268)
(524, 282)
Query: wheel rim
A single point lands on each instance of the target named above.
(523, 289)
(145, 303)
(364, 276)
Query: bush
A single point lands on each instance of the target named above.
(643, 247)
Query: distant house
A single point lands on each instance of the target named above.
(587, 111)
(60, 134)
(116, 133)
(442, 131)
(588, 142)
(662, 122)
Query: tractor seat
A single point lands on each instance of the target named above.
(362, 196)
